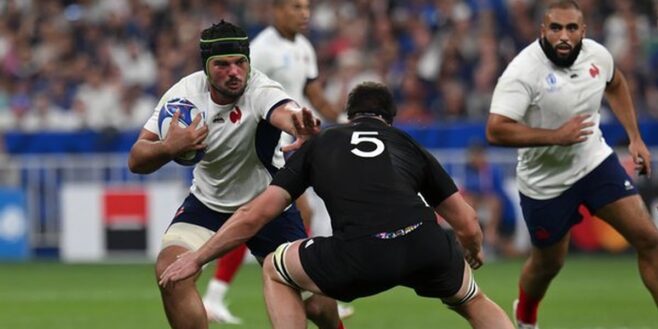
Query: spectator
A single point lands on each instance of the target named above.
(483, 189)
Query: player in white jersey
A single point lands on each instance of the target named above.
(245, 112)
(285, 55)
(547, 104)
(293, 64)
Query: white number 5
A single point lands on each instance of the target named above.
(359, 137)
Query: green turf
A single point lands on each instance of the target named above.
(591, 292)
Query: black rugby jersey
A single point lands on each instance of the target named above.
(369, 175)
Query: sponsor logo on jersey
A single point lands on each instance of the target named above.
(308, 243)
(627, 185)
(218, 119)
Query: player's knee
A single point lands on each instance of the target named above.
(269, 271)
(313, 308)
(165, 258)
(321, 309)
(548, 266)
(646, 243)
(550, 269)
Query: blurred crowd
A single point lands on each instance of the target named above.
(91, 64)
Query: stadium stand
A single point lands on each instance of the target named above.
(78, 78)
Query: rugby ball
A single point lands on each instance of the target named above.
(187, 114)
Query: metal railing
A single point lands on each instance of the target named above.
(41, 177)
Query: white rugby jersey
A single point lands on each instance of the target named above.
(290, 63)
(539, 94)
(241, 142)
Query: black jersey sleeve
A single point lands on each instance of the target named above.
(437, 185)
(293, 177)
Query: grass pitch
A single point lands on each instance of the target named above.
(601, 292)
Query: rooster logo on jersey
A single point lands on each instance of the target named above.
(235, 115)
(594, 71)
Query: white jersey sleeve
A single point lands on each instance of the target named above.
(513, 93)
(265, 94)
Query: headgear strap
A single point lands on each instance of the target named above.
(235, 46)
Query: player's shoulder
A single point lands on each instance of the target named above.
(594, 48)
(529, 56)
(189, 86)
(527, 63)
(302, 39)
(264, 38)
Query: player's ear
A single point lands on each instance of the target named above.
(584, 30)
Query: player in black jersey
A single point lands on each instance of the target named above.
(377, 184)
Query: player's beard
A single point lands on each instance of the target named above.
(552, 54)
(228, 93)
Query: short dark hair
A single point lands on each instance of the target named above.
(223, 38)
(371, 98)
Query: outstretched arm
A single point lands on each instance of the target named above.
(295, 121)
(243, 225)
(463, 220)
(619, 98)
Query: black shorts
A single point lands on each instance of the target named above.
(428, 260)
(286, 227)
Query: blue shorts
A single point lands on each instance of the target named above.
(285, 228)
(550, 220)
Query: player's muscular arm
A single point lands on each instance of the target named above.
(619, 98)
(149, 153)
(313, 91)
(244, 224)
(504, 131)
(463, 220)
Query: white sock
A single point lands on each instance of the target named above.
(216, 290)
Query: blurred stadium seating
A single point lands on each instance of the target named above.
(79, 78)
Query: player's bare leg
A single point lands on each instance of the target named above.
(479, 310)
(182, 302)
(631, 218)
(285, 306)
(539, 270)
(323, 311)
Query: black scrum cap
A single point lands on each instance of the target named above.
(223, 39)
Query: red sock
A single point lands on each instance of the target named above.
(229, 265)
(526, 310)
(340, 325)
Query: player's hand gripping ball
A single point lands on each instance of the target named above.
(187, 114)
